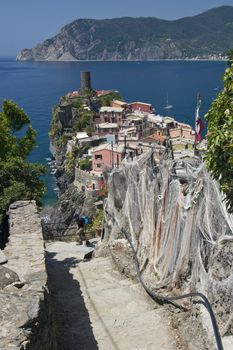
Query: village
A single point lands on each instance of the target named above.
(120, 130)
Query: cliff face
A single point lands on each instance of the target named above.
(138, 38)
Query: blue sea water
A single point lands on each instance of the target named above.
(37, 87)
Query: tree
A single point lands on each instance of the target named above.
(19, 179)
(219, 156)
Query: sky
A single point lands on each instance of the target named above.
(24, 23)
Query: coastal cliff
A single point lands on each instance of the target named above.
(208, 35)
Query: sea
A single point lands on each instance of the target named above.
(37, 87)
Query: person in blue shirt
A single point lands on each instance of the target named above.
(82, 222)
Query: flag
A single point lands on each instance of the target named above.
(199, 127)
(199, 123)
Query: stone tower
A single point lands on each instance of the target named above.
(85, 80)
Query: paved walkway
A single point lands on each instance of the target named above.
(98, 308)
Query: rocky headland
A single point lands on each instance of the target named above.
(69, 117)
(208, 35)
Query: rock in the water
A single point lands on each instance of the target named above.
(3, 259)
(7, 277)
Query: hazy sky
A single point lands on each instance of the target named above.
(24, 23)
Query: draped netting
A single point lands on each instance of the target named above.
(178, 221)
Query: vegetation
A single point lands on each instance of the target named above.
(63, 139)
(19, 179)
(83, 121)
(71, 158)
(96, 225)
(53, 131)
(76, 102)
(219, 157)
(103, 192)
(106, 100)
(85, 164)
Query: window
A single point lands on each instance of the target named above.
(98, 156)
(98, 165)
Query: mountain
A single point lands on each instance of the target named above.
(204, 35)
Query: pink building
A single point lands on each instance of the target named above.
(106, 156)
(111, 114)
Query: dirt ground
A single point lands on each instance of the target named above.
(97, 307)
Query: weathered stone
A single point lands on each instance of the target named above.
(7, 277)
(26, 320)
(3, 259)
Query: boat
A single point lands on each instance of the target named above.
(167, 107)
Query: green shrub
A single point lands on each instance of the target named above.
(219, 155)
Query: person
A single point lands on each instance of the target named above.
(82, 221)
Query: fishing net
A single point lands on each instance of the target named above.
(177, 220)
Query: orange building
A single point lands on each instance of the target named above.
(182, 131)
(117, 103)
(141, 106)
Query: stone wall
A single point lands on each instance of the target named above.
(26, 320)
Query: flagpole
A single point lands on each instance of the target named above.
(196, 120)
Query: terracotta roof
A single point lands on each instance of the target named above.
(73, 94)
(103, 92)
(154, 137)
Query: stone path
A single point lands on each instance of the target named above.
(98, 308)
